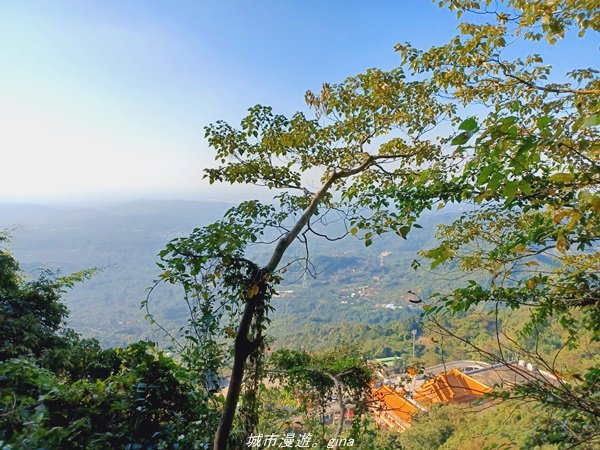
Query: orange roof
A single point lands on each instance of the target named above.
(395, 403)
(452, 386)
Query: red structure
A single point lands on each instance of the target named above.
(393, 410)
(451, 387)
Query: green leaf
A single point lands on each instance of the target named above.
(484, 175)
(403, 231)
(469, 124)
(461, 139)
(510, 190)
(439, 255)
(591, 121)
(496, 180)
(543, 122)
(564, 177)
(525, 188)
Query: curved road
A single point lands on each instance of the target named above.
(464, 365)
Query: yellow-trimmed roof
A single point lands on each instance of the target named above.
(450, 387)
(395, 403)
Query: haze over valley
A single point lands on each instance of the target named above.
(353, 283)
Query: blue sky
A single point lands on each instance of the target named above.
(108, 99)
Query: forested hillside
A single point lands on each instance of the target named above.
(120, 240)
(352, 284)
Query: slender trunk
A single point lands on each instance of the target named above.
(233, 395)
(242, 349)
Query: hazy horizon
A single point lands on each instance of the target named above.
(104, 102)
(226, 195)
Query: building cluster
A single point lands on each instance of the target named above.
(357, 292)
(394, 408)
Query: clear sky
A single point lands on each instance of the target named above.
(107, 99)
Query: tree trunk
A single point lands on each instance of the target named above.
(242, 349)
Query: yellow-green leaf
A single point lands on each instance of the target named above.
(562, 177)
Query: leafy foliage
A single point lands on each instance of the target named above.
(30, 313)
(149, 403)
(531, 167)
(314, 373)
(60, 391)
(368, 136)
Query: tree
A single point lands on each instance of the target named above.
(150, 402)
(32, 315)
(319, 379)
(369, 134)
(58, 390)
(30, 312)
(530, 165)
(531, 169)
